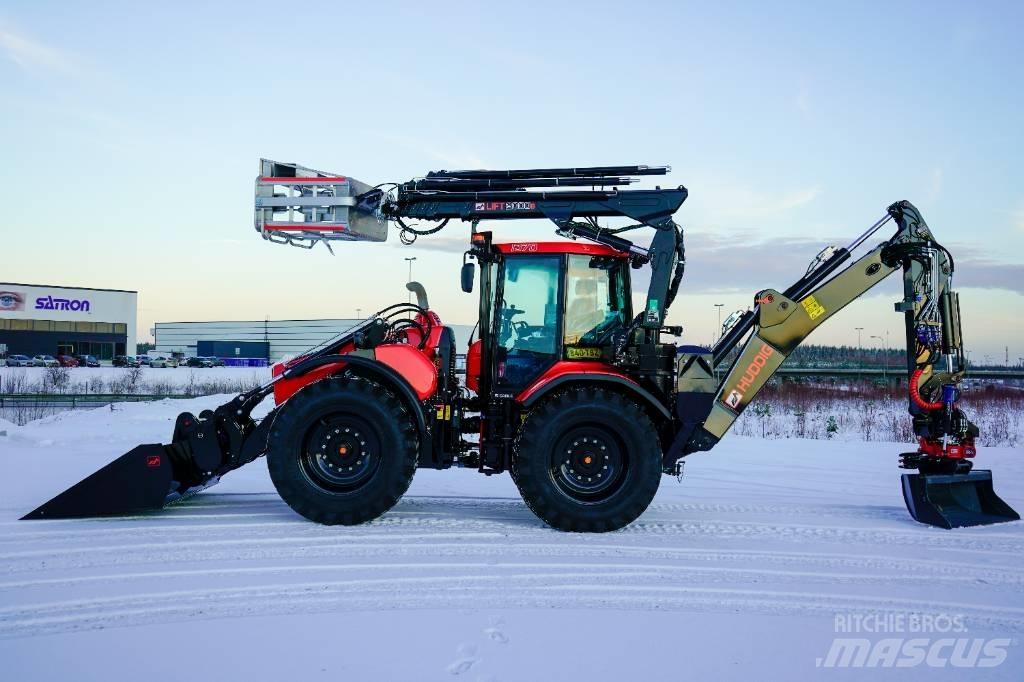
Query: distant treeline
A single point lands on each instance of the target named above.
(852, 358)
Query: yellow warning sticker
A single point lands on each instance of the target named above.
(813, 308)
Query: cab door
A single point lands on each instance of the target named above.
(527, 320)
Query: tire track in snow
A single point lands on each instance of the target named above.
(476, 591)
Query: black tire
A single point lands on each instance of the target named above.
(587, 460)
(372, 466)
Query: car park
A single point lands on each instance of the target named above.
(67, 361)
(18, 361)
(87, 361)
(162, 361)
(200, 361)
(45, 361)
(143, 359)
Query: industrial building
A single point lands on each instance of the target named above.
(253, 340)
(39, 319)
(267, 340)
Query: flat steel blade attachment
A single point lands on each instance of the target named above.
(140, 480)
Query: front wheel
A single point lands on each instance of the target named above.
(587, 460)
(342, 451)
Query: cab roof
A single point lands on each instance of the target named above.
(581, 248)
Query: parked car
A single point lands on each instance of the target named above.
(87, 361)
(18, 361)
(45, 361)
(125, 361)
(200, 361)
(162, 361)
(67, 361)
(217, 362)
(143, 359)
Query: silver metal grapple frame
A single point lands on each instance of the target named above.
(301, 206)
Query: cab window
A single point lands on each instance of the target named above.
(595, 299)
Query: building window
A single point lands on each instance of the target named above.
(21, 325)
(85, 327)
(62, 326)
(40, 325)
(120, 328)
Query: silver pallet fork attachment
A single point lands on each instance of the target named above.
(301, 206)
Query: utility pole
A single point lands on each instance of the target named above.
(718, 329)
(885, 364)
(359, 313)
(860, 354)
(409, 260)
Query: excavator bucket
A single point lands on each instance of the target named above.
(955, 500)
(139, 480)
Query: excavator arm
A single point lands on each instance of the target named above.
(945, 491)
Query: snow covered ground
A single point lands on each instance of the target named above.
(740, 572)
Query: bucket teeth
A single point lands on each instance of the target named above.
(955, 500)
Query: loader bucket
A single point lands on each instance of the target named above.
(955, 500)
(138, 480)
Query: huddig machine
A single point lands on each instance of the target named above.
(582, 399)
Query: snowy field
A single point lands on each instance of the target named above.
(740, 572)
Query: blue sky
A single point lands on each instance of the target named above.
(130, 135)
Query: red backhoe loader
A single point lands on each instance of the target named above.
(583, 400)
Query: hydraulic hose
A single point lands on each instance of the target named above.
(915, 395)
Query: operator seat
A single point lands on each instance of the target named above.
(584, 311)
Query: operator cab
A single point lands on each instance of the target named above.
(555, 301)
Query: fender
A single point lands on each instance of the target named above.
(545, 385)
(376, 370)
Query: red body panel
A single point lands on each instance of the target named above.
(473, 366)
(412, 363)
(564, 367)
(559, 247)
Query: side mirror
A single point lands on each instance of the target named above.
(468, 273)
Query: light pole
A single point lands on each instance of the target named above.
(359, 313)
(409, 260)
(885, 358)
(860, 353)
(718, 330)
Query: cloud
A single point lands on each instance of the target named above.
(31, 54)
(1018, 219)
(741, 202)
(740, 263)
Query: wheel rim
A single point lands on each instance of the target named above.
(341, 453)
(589, 464)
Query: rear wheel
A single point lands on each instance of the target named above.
(342, 451)
(587, 460)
